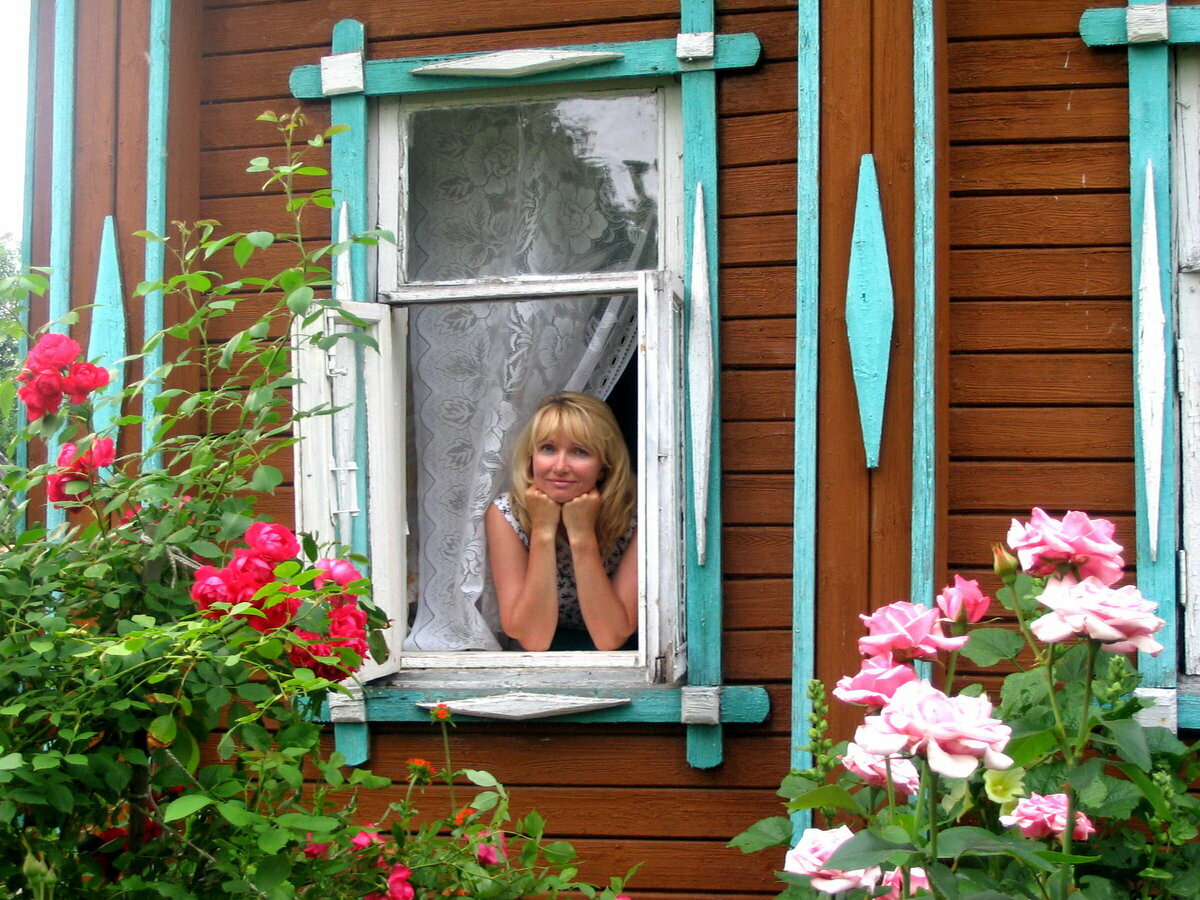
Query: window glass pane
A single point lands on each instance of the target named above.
(542, 187)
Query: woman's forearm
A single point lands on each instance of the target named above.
(608, 622)
(532, 617)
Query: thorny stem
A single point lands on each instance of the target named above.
(448, 772)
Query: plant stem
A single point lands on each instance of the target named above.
(448, 772)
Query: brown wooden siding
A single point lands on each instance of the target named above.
(1039, 326)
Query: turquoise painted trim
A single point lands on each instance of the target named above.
(804, 463)
(106, 343)
(353, 741)
(1106, 27)
(1150, 141)
(870, 309)
(641, 59)
(348, 152)
(157, 128)
(1187, 709)
(62, 163)
(743, 704)
(62, 190)
(22, 455)
(925, 399)
(703, 583)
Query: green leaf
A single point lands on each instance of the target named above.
(186, 805)
(988, 646)
(864, 850)
(261, 239)
(266, 479)
(242, 251)
(1130, 740)
(775, 831)
(235, 813)
(826, 796)
(966, 839)
(302, 822)
(272, 872)
(163, 729)
(480, 777)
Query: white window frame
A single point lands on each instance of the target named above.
(661, 652)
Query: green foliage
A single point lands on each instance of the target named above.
(152, 748)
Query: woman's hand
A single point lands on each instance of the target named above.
(580, 515)
(544, 513)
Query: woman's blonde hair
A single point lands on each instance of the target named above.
(590, 423)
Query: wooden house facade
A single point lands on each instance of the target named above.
(933, 282)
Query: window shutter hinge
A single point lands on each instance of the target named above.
(700, 705)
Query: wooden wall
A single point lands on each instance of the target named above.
(1034, 392)
(621, 794)
(1040, 317)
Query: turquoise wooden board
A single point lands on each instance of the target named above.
(925, 323)
(1106, 27)
(739, 703)
(157, 118)
(106, 343)
(870, 309)
(808, 285)
(640, 59)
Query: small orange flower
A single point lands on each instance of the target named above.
(441, 713)
(420, 770)
(463, 814)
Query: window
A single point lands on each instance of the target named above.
(538, 241)
(643, 254)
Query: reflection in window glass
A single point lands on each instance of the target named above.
(542, 187)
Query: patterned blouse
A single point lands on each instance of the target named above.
(569, 613)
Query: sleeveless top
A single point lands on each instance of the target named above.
(569, 613)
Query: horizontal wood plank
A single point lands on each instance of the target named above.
(1043, 62)
(757, 291)
(1061, 432)
(757, 395)
(1101, 488)
(1096, 166)
(758, 240)
(757, 446)
(1017, 18)
(759, 499)
(758, 343)
(1039, 220)
(1050, 379)
(1004, 117)
(756, 550)
(969, 536)
(757, 656)
(752, 139)
(757, 603)
(983, 325)
(754, 190)
(1033, 272)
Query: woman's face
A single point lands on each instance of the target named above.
(564, 469)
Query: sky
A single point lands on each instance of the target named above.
(14, 24)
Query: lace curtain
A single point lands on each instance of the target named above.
(565, 186)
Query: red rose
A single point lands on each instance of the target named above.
(274, 542)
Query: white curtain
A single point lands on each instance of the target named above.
(563, 186)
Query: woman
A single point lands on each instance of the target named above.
(562, 544)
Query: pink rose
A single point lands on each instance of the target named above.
(963, 601)
(397, 883)
(274, 542)
(211, 586)
(41, 392)
(75, 468)
(1042, 817)
(875, 682)
(1122, 619)
(895, 880)
(953, 733)
(82, 379)
(252, 569)
(366, 837)
(906, 630)
(54, 350)
(875, 770)
(1046, 545)
(809, 855)
(315, 851)
(340, 571)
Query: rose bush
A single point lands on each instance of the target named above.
(164, 649)
(944, 794)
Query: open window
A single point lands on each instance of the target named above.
(555, 231)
